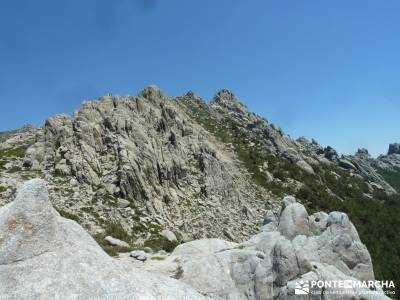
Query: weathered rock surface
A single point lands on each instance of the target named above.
(116, 242)
(44, 256)
(317, 247)
(143, 156)
(169, 235)
(149, 164)
(176, 162)
(139, 255)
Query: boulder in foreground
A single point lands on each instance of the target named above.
(44, 256)
(292, 247)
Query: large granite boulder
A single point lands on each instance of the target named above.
(44, 256)
(291, 247)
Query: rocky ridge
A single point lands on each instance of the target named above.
(141, 159)
(133, 167)
(154, 158)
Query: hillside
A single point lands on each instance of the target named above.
(134, 166)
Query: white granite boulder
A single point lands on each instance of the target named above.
(44, 256)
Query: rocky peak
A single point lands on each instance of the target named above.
(147, 151)
(225, 99)
(191, 96)
(394, 148)
(330, 153)
(152, 93)
(362, 152)
(150, 163)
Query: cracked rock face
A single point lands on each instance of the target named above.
(291, 247)
(174, 162)
(146, 157)
(44, 256)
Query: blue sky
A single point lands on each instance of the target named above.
(327, 70)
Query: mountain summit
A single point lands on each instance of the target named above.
(136, 167)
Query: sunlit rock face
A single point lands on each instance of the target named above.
(44, 256)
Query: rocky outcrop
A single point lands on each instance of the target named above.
(5, 135)
(394, 149)
(155, 171)
(44, 256)
(291, 247)
(179, 162)
(143, 156)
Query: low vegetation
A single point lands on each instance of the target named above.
(68, 215)
(58, 173)
(329, 189)
(158, 242)
(15, 152)
(118, 232)
(14, 169)
(157, 257)
(392, 177)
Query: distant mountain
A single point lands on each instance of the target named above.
(134, 166)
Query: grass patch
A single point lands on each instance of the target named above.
(109, 200)
(68, 215)
(15, 152)
(157, 243)
(58, 173)
(30, 174)
(109, 249)
(118, 232)
(158, 257)
(14, 169)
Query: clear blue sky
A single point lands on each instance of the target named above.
(322, 69)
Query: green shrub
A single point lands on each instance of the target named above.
(159, 242)
(109, 249)
(118, 232)
(392, 177)
(58, 173)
